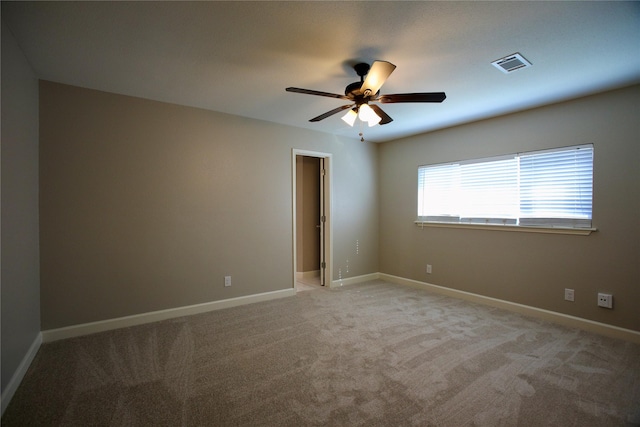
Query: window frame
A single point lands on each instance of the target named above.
(560, 225)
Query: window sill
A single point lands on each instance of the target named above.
(517, 228)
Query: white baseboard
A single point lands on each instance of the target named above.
(354, 280)
(550, 316)
(155, 316)
(122, 322)
(19, 374)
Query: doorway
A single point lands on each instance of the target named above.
(311, 219)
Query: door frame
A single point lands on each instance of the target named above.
(326, 201)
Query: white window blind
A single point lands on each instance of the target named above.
(546, 188)
(556, 187)
(489, 190)
(438, 193)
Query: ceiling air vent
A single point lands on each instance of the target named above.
(511, 63)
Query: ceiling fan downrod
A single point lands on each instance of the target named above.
(353, 89)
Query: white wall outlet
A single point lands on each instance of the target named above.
(429, 269)
(227, 281)
(605, 300)
(568, 294)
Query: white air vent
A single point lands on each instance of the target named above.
(511, 63)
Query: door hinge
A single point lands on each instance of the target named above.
(323, 264)
(323, 218)
(323, 172)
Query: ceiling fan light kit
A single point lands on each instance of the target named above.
(366, 91)
(350, 117)
(366, 114)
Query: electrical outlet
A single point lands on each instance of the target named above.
(605, 300)
(227, 281)
(568, 294)
(429, 269)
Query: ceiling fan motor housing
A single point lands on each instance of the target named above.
(353, 89)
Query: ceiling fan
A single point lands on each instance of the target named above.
(367, 90)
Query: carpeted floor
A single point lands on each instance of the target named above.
(373, 354)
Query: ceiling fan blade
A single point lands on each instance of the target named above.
(330, 113)
(315, 92)
(413, 97)
(378, 74)
(384, 116)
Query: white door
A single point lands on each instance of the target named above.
(321, 226)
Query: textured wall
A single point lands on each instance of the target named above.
(526, 268)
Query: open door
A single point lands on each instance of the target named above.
(312, 213)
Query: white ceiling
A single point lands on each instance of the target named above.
(238, 57)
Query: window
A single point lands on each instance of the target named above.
(551, 188)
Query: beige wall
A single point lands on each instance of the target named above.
(20, 259)
(147, 206)
(530, 269)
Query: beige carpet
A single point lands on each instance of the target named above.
(374, 354)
